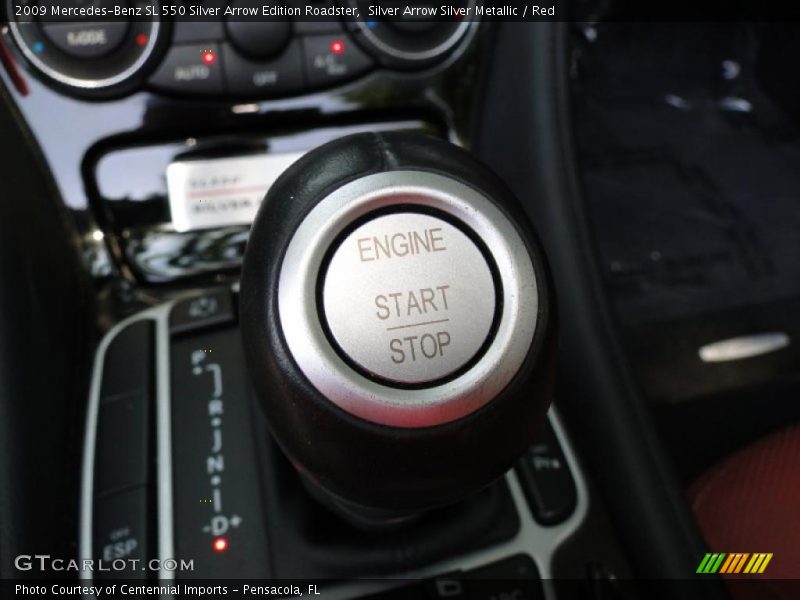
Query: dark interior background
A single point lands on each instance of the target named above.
(688, 145)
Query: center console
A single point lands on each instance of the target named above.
(163, 137)
(209, 484)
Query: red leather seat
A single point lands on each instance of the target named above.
(750, 502)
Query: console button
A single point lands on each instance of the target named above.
(86, 40)
(279, 76)
(128, 362)
(447, 586)
(520, 566)
(409, 297)
(212, 308)
(331, 59)
(185, 32)
(516, 577)
(123, 448)
(306, 26)
(121, 528)
(318, 27)
(546, 480)
(258, 39)
(191, 68)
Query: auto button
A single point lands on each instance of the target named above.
(409, 298)
(190, 68)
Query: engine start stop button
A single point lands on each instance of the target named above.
(409, 298)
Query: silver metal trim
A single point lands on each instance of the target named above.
(538, 541)
(445, 46)
(745, 346)
(86, 84)
(370, 400)
(166, 548)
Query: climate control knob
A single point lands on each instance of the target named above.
(86, 58)
(414, 41)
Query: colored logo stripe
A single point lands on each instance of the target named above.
(734, 562)
(758, 563)
(732, 558)
(711, 563)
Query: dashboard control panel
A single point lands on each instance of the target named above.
(193, 117)
(258, 59)
(227, 58)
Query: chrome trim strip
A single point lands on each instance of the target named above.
(467, 25)
(745, 346)
(166, 549)
(166, 530)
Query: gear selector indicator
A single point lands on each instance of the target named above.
(409, 298)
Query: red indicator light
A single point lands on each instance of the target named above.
(220, 544)
(141, 39)
(208, 57)
(336, 47)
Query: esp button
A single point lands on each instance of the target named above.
(331, 59)
(122, 524)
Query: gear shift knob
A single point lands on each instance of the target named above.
(398, 322)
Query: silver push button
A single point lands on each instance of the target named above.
(409, 297)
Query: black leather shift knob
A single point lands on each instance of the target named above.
(398, 321)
